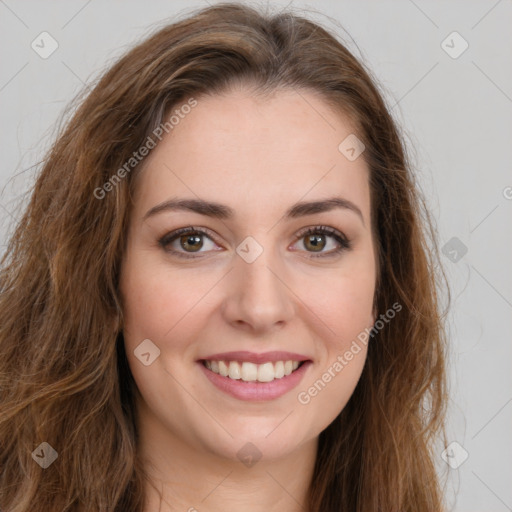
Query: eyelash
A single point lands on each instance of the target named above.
(344, 243)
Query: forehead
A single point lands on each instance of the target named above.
(243, 150)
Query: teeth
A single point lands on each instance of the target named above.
(250, 372)
(266, 372)
(223, 369)
(279, 369)
(234, 370)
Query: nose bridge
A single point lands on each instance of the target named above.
(257, 294)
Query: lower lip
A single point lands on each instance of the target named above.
(256, 391)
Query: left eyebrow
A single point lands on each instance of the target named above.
(308, 208)
(222, 211)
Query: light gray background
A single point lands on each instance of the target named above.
(456, 115)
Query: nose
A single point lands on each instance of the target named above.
(258, 298)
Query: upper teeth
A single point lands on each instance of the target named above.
(251, 372)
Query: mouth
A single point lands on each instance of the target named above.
(246, 371)
(254, 382)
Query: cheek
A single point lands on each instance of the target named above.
(163, 304)
(154, 301)
(344, 302)
(330, 390)
(157, 306)
(348, 309)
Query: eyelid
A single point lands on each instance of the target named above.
(317, 228)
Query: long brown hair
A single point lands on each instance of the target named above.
(64, 377)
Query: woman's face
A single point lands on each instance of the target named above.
(254, 283)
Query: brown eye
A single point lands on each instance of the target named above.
(192, 242)
(316, 243)
(187, 241)
(316, 239)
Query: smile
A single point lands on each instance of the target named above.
(251, 372)
(254, 382)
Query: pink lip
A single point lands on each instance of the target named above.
(257, 391)
(253, 357)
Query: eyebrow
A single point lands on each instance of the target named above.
(221, 211)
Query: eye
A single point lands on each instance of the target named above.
(316, 238)
(186, 241)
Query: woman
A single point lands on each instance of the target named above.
(221, 295)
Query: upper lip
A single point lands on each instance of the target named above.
(253, 357)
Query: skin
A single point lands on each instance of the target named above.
(259, 157)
